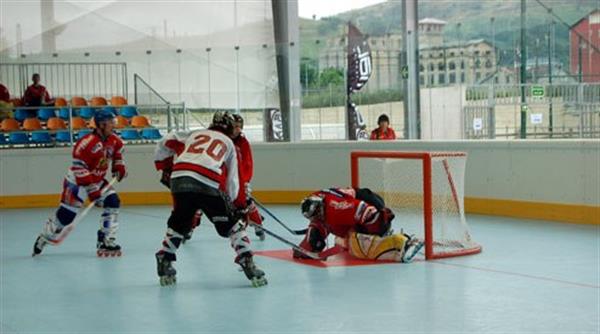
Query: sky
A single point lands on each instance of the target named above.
(322, 8)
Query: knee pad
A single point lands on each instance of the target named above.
(112, 201)
(65, 216)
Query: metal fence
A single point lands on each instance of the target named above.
(150, 102)
(68, 79)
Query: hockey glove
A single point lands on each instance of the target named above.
(119, 171)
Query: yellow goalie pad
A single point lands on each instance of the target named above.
(372, 247)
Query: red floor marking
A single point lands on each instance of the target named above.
(339, 260)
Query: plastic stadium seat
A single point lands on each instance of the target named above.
(21, 114)
(63, 136)
(110, 109)
(60, 102)
(98, 101)
(32, 124)
(41, 137)
(121, 122)
(18, 138)
(130, 134)
(56, 123)
(63, 113)
(129, 111)
(78, 123)
(140, 122)
(86, 112)
(46, 113)
(9, 124)
(82, 133)
(118, 101)
(151, 133)
(78, 101)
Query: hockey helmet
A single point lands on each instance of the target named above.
(103, 115)
(223, 120)
(239, 119)
(312, 206)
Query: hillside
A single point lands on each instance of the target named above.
(474, 17)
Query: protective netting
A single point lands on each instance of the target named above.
(400, 181)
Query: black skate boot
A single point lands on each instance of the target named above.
(39, 245)
(187, 236)
(259, 233)
(255, 275)
(107, 247)
(164, 269)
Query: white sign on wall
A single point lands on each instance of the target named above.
(477, 124)
(536, 118)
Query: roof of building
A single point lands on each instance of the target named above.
(584, 17)
(430, 20)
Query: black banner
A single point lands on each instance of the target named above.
(359, 71)
(273, 129)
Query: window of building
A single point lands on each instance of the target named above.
(421, 80)
(452, 65)
(462, 77)
(452, 78)
(421, 68)
(441, 78)
(462, 53)
(431, 67)
(451, 54)
(441, 55)
(488, 52)
(477, 52)
(441, 66)
(507, 79)
(462, 65)
(477, 63)
(373, 42)
(431, 82)
(431, 55)
(477, 76)
(496, 80)
(488, 63)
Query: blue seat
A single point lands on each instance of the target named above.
(21, 114)
(44, 114)
(86, 112)
(151, 133)
(63, 136)
(110, 109)
(128, 111)
(2, 139)
(41, 137)
(130, 134)
(82, 133)
(63, 113)
(18, 138)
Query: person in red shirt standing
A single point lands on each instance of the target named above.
(360, 220)
(92, 155)
(36, 94)
(4, 94)
(384, 131)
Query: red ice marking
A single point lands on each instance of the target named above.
(342, 259)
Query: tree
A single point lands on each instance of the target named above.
(333, 76)
(308, 72)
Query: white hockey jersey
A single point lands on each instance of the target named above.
(205, 155)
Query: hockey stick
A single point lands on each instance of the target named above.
(294, 232)
(311, 255)
(67, 230)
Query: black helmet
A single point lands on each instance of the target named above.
(223, 120)
(312, 206)
(383, 118)
(239, 119)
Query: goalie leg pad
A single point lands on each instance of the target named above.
(373, 247)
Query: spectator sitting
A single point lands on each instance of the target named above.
(5, 105)
(384, 131)
(37, 95)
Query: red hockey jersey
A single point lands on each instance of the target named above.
(246, 163)
(91, 158)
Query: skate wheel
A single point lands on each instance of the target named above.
(167, 280)
(258, 282)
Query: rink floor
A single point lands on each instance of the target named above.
(532, 276)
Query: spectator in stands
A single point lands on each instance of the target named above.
(36, 94)
(5, 105)
(383, 131)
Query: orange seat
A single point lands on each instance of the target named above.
(78, 123)
(140, 122)
(56, 123)
(32, 124)
(9, 124)
(78, 101)
(60, 102)
(121, 122)
(118, 101)
(97, 101)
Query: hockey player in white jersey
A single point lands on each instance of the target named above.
(201, 169)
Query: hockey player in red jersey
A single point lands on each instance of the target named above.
(93, 155)
(246, 170)
(201, 169)
(359, 218)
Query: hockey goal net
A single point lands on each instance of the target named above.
(425, 190)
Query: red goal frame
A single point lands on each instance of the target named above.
(426, 158)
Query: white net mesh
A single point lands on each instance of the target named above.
(400, 182)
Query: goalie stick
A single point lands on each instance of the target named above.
(311, 255)
(294, 232)
(69, 228)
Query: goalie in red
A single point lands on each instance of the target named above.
(360, 220)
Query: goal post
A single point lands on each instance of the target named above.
(425, 190)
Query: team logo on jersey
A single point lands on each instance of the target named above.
(97, 148)
(343, 205)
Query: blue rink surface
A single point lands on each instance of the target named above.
(532, 277)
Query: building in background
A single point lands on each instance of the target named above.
(585, 58)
